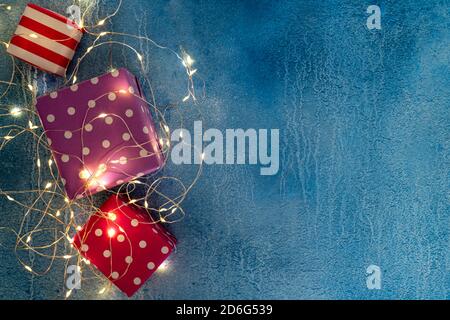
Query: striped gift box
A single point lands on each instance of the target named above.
(45, 39)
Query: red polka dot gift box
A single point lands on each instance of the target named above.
(124, 243)
(45, 39)
(101, 133)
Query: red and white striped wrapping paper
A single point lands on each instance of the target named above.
(45, 39)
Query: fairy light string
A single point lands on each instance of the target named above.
(50, 213)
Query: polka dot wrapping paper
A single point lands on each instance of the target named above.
(101, 133)
(124, 243)
(45, 39)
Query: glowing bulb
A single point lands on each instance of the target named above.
(84, 174)
(186, 98)
(30, 87)
(162, 219)
(33, 35)
(15, 112)
(68, 293)
(48, 185)
(79, 228)
(10, 198)
(102, 291)
(112, 216)
(203, 156)
(102, 34)
(28, 239)
(86, 261)
(8, 8)
(146, 204)
(38, 163)
(192, 72)
(89, 49)
(174, 210)
(139, 57)
(67, 257)
(58, 213)
(111, 232)
(74, 79)
(66, 200)
(102, 115)
(101, 22)
(133, 201)
(50, 162)
(181, 134)
(123, 91)
(28, 268)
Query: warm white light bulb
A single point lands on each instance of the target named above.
(112, 216)
(111, 232)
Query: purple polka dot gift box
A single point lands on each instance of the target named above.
(101, 133)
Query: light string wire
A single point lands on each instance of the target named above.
(51, 212)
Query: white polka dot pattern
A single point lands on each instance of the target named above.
(51, 118)
(129, 261)
(126, 136)
(109, 120)
(71, 111)
(92, 104)
(106, 144)
(142, 244)
(112, 96)
(94, 80)
(115, 73)
(129, 113)
(88, 127)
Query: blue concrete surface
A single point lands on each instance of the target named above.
(364, 127)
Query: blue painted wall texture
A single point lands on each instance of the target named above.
(364, 149)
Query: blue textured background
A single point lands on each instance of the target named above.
(365, 139)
